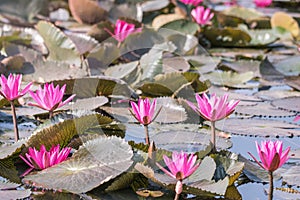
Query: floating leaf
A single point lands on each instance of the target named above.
(61, 48)
(289, 66)
(61, 133)
(84, 43)
(288, 103)
(175, 64)
(275, 94)
(87, 11)
(293, 81)
(8, 170)
(268, 71)
(185, 44)
(163, 19)
(14, 194)
(98, 31)
(230, 79)
(95, 163)
(13, 63)
(7, 150)
(174, 84)
(262, 110)
(243, 12)
(184, 140)
(182, 26)
(151, 62)
(23, 10)
(227, 37)
(258, 127)
(127, 10)
(291, 176)
(281, 19)
(96, 86)
(87, 103)
(150, 6)
(56, 195)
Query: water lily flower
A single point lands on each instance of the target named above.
(201, 15)
(272, 157)
(297, 118)
(213, 109)
(10, 87)
(144, 113)
(11, 90)
(262, 3)
(43, 159)
(192, 2)
(180, 167)
(122, 30)
(50, 98)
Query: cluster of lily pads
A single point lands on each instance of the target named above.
(122, 76)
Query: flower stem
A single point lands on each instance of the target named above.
(16, 130)
(176, 196)
(50, 114)
(147, 134)
(271, 186)
(213, 137)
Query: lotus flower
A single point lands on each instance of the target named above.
(297, 118)
(180, 167)
(214, 108)
(43, 159)
(271, 155)
(201, 15)
(262, 3)
(50, 98)
(10, 90)
(144, 110)
(122, 30)
(192, 2)
(10, 87)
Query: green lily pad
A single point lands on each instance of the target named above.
(61, 48)
(87, 103)
(227, 37)
(289, 66)
(259, 127)
(96, 162)
(182, 26)
(230, 79)
(243, 13)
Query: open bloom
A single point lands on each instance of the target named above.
(43, 159)
(192, 2)
(10, 87)
(144, 110)
(271, 155)
(123, 29)
(262, 3)
(201, 15)
(180, 167)
(213, 108)
(297, 118)
(50, 98)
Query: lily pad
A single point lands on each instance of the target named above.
(270, 95)
(150, 6)
(61, 48)
(163, 19)
(182, 26)
(258, 127)
(230, 79)
(291, 176)
(87, 103)
(289, 66)
(96, 162)
(7, 150)
(243, 12)
(14, 194)
(293, 81)
(283, 20)
(175, 64)
(262, 110)
(285, 103)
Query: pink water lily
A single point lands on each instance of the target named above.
(262, 3)
(271, 155)
(192, 2)
(144, 110)
(50, 98)
(214, 108)
(11, 90)
(201, 15)
(42, 159)
(11, 87)
(180, 167)
(122, 30)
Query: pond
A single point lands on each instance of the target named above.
(86, 86)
